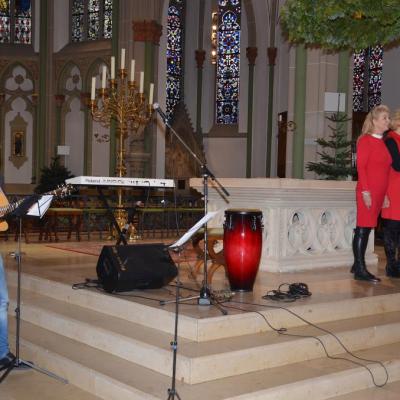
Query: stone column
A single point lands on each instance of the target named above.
(343, 79)
(299, 111)
(43, 86)
(200, 56)
(271, 52)
(251, 53)
(35, 102)
(87, 142)
(2, 133)
(59, 101)
(148, 32)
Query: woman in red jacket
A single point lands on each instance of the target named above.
(391, 214)
(373, 166)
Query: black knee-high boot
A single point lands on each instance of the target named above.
(360, 242)
(391, 234)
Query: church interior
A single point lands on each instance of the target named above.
(139, 137)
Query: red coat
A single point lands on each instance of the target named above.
(393, 190)
(373, 166)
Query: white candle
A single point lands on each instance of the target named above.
(93, 93)
(122, 58)
(151, 93)
(112, 67)
(132, 70)
(103, 77)
(141, 82)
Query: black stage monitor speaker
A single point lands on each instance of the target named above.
(137, 266)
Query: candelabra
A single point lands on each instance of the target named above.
(124, 103)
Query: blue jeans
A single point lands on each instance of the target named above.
(4, 349)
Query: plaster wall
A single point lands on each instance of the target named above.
(61, 24)
(390, 78)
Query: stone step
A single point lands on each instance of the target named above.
(388, 392)
(34, 385)
(112, 378)
(229, 357)
(211, 326)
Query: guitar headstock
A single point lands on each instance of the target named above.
(62, 190)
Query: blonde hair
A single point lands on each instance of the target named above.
(368, 125)
(395, 121)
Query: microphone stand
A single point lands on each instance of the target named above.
(204, 297)
(19, 363)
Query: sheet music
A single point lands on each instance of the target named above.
(186, 236)
(41, 206)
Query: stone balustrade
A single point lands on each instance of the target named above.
(307, 223)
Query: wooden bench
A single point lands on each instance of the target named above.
(51, 225)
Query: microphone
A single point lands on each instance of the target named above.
(157, 108)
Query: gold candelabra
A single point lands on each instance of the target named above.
(124, 103)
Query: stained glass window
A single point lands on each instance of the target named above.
(358, 79)
(91, 20)
(16, 21)
(367, 78)
(375, 76)
(228, 64)
(175, 36)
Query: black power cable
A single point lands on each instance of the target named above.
(284, 331)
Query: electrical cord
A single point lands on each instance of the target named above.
(283, 331)
(294, 292)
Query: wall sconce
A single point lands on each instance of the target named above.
(214, 30)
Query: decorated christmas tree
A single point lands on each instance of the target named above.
(336, 157)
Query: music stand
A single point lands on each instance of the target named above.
(34, 205)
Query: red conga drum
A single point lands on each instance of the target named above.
(242, 247)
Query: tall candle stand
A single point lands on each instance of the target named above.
(122, 102)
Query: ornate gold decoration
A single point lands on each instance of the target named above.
(123, 103)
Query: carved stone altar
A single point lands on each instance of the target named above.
(308, 224)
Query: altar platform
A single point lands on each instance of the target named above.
(118, 346)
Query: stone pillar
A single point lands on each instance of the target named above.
(251, 53)
(59, 101)
(343, 79)
(299, 111)
(148, 32)
(35, 102)
(2, 133)
(87, 142)
(200, 56)
(43, 86)
(271, 52)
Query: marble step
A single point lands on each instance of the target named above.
(112, 378)
(390, 391)
(211, 326)
(228, 357)
(33, 385)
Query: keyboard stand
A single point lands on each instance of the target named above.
(121, 236)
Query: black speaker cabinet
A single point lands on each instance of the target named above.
(136, 266)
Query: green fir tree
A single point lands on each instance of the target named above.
(336, 157)
(53, 176)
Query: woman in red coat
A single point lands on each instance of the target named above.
(391, 214)
(373, 166)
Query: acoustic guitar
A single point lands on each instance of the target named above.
(7, 208)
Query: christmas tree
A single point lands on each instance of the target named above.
(52, 176)
(336, 156)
